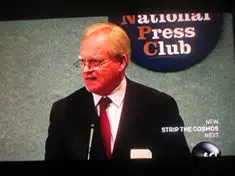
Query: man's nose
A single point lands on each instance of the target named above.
(86, 68)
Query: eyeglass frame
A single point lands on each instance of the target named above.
(82, 63)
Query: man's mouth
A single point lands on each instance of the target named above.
(90, 78)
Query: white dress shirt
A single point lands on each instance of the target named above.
(114, 109)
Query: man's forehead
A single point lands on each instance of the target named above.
(97, 38)
(93, 56)
(96, 46)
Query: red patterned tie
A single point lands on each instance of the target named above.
(105, 126)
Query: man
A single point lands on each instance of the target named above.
(129, 125)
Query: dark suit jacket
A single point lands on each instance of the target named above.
(145, 112)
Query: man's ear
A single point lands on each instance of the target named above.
(124, 61)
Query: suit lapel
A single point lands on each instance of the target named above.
(126, 124)
(83, 113)
(97, 148)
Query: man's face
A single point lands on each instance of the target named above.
(104, 78)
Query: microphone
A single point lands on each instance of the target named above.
(90, 141)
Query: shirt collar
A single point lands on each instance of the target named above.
(117, 95)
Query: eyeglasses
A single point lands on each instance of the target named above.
(92, 63)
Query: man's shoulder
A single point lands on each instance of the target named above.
(74, 96)
(148, 91)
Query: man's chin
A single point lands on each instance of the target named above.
(95, 91)
(90, 89)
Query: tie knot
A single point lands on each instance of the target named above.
(104, 102)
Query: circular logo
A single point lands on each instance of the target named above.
(206, 149)
(172, 41)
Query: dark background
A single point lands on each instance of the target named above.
(11, 10)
